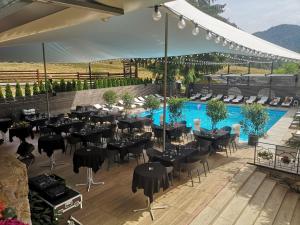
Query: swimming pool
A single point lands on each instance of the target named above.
(194, 110)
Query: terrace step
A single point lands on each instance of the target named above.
(271, 208)
(251, 212)
(285, 213)
(296, 215)
(239, 202)
(215, 207)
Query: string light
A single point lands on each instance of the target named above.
(225, 42)
(196, 30)
(231, 46)
(181, 23)
(208, 35)
(156, 15)
(218, 40)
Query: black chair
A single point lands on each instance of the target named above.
(72, 142)
(139, 125)
(24, 151)
(227, 128)
(158, 134)
(122, 126)
(175, 134)
(202, 156)
(136, 151)
(223, 145)
(190, 165)
(233, 138)
(107, 135)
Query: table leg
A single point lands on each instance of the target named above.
(89, 180)
(150, 208)
(53, 163)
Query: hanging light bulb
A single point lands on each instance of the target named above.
(196, 30)
(208, 35)
(231, 46)
(225, 42)
(237, 47)
(218, 40)
(181, 23)
(156, 16)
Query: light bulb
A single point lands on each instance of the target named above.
(217, 40)
(237, 47)
(208, 35)
(231, 46)
(196, 30)
(156, 16)
(225, 42)
(181, 23)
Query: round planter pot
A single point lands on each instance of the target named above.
(252, 139)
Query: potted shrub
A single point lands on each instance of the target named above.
(217, 111)
(74, 85)
(62, 85)
(175, 108)
(69, 86)
(151, 104)
(1, 95)
(35, 89)
(254, 121)
(42, 88)
(8, 93)
(27, 90)
(128, 100)
(19, 93)
(110, 97)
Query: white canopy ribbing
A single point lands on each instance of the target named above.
(135, 35)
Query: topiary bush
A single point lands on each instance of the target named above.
(1, 94)
(19, 92)
(109, 84)
(63, 86)
(104, 83)
(151, 104)
(85, 85)
(74, 85)
(42, 88)
(35, 89)
(128, 100)
(8, 92)
(27, 90)
(56, 86)
(217, 111)
(49, 86)
(79, 85)
(69, 86)
(175, 108)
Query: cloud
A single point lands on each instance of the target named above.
(257, 15)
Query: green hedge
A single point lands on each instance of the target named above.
(73, 85)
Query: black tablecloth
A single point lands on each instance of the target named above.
(150, 180)
(5, 123)
(91, 157)
(50, 143)
(133, 122)
(36, 121)
(214, 137)
(85, 135)
(101, 118)
(20, 132)
(172, 156)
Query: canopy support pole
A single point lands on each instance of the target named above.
(165, 82)
(90, 75)
(46, 85)
(249, 67)
(272, 67)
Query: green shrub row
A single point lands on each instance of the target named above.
(65, 86)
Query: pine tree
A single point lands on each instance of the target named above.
(62, 85)
(35, 89)
(74, 86)
(27, 90)
(79, 85)
(85, 85)
(69, 86)
(19, 92)
(42, 88)
(8, 92)
(56, 86)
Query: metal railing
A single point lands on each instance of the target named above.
(277, 157)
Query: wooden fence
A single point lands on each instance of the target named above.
(35, 75)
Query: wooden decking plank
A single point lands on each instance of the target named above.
(296, 215)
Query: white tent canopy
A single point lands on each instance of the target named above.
(136, 35)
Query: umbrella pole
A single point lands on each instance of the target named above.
(165, 82)
(46, 86)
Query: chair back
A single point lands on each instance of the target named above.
(136, 149)
(122, 126)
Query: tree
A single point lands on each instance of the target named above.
(56, 86)
(27, 90)
(8, 92)
(79, 85)
(255, 119)
(1, 94)
(288, 68)
(175, 108)
(42, 88)
(74, 85)
(62, 85)
(128, 100)
(110, 97)
(217, 111)
(18, 90)
(35, 89)
(151, 104)
(69, 86)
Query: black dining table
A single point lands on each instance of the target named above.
(102, 118)
(5, 123)
(170, 129)
(213, 136)
(85, 134)
(36, 121)
(90, 157)
(132, 122)
(65, 126)
(83, 114)
(151, 177)
(21, 132)
(50, 143)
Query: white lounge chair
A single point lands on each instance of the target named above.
(238, 99)
(263, 100)
(275, 101)
(121, 103)
(229, 98)
(287, 102)
(218, 97)
(251, 100)
(141, 99)
(206, 97)
(159, 96)
(137, 100)
(98, 106)
(194, 97)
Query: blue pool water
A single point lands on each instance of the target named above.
(193, 110)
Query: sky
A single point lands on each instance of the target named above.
(260, 15)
